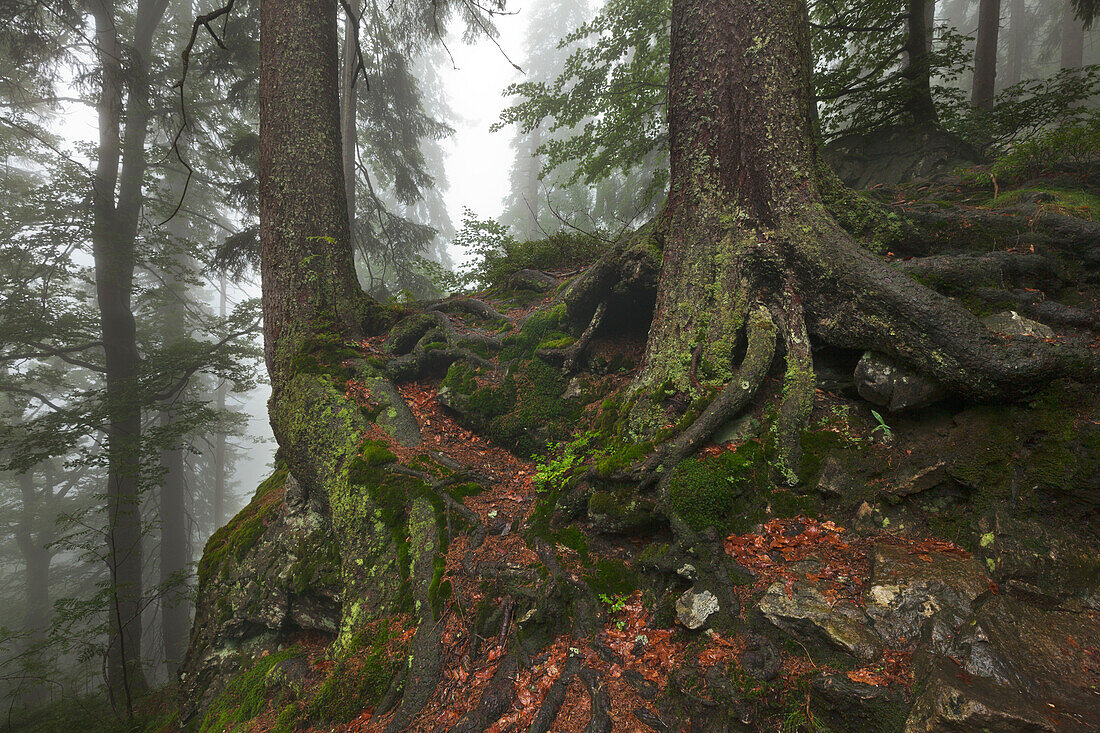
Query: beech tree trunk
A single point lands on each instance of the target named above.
(1073, 37)
(120, 167)
(985, 54)
(918, 46)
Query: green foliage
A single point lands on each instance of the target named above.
(1073, 143)
(497, 254)
(881, 426)
(553, 473)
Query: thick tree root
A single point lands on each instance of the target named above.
(991, 269)
(600, 720)
(572, 355)
(495, 701)
(798, 390)
(473, 306)
(555, 696)
(427, 343)
(1033, 304)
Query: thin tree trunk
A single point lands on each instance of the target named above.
(1073, 38)
(985, 54)
(1018, 20)
(219, 437)
(121, 163)
(31, 538)
(918, 71)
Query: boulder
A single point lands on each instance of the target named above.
(843, 704)
(907, 589)
(1011, 323)
(882, 382)
(1013, 665)
(535, 280)
(694, 608)
(804, 612)
(761, 658)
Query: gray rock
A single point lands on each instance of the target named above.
(694, 608)
(1011, 323)
(882, 382)
(897, 154)
(846, 705)
(535, 280)
(806, 613)
(949, 702)
(906, 590)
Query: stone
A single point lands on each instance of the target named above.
(806, 613)
(843, 704)
(694, 608)
(535, 280)
(761, 658)
(1011, 323)
(907, 589)
(882, 382)
(950, 702)
(834, 480)
(910, 480)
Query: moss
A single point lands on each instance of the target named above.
(612, 577)
(721, 490)
(246, 695)
(360, 676)
(240, 534)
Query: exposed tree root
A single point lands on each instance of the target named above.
(555, 696)
(571, 356)
(495, 701)
(1033, 304)
(600, 720)
(427, 343)
(473, 306)
(996, 269)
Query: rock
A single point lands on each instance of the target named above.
(1011, 323)
(612, 515)
(896, 154)
(847, 705)
(951, 702)
(1055, 562)
(806, 613)
(834, 479)
(881, 382)
(693, 609)
(907, 589)
(737, 430)
(535, 280)
(907, 481)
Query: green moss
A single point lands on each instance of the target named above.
(246, 695)
(721, 490)
(240, 534)
(612, 577)
(359, 678)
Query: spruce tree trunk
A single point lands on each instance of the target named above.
(918, 71)
(1073, 38)
(309, 282)
(349, 99)
(174, 550)
(985, 54)
(220, 438)
(32, 538)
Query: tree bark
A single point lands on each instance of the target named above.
(1073, 37)
(918, 71)
(349, 99)
(220, 437)
(121, 165)
(985, 54)
(309, 281)
(33, 534)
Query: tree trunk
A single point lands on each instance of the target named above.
(220, 437)
(918, 71)
(1073, 38)
(32, 538)
(349, 99)
(309, 281)
(1018, 20)
(985, 54)
(175, 607)
(753, 262)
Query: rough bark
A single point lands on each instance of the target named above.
(220, 437)
(985, 54)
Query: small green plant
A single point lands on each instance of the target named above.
(554, 472)
(887, 433)
(615, 602)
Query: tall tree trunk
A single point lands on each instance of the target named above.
(349, 100)
(220, 437)
(918, 71)
(32, 538)
(985, 54)
(309, 281)
(121, 164)
(1017, 54)
(1073, 38)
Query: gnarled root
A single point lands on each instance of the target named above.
(427, 343)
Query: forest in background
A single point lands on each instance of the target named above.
(130, 324)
